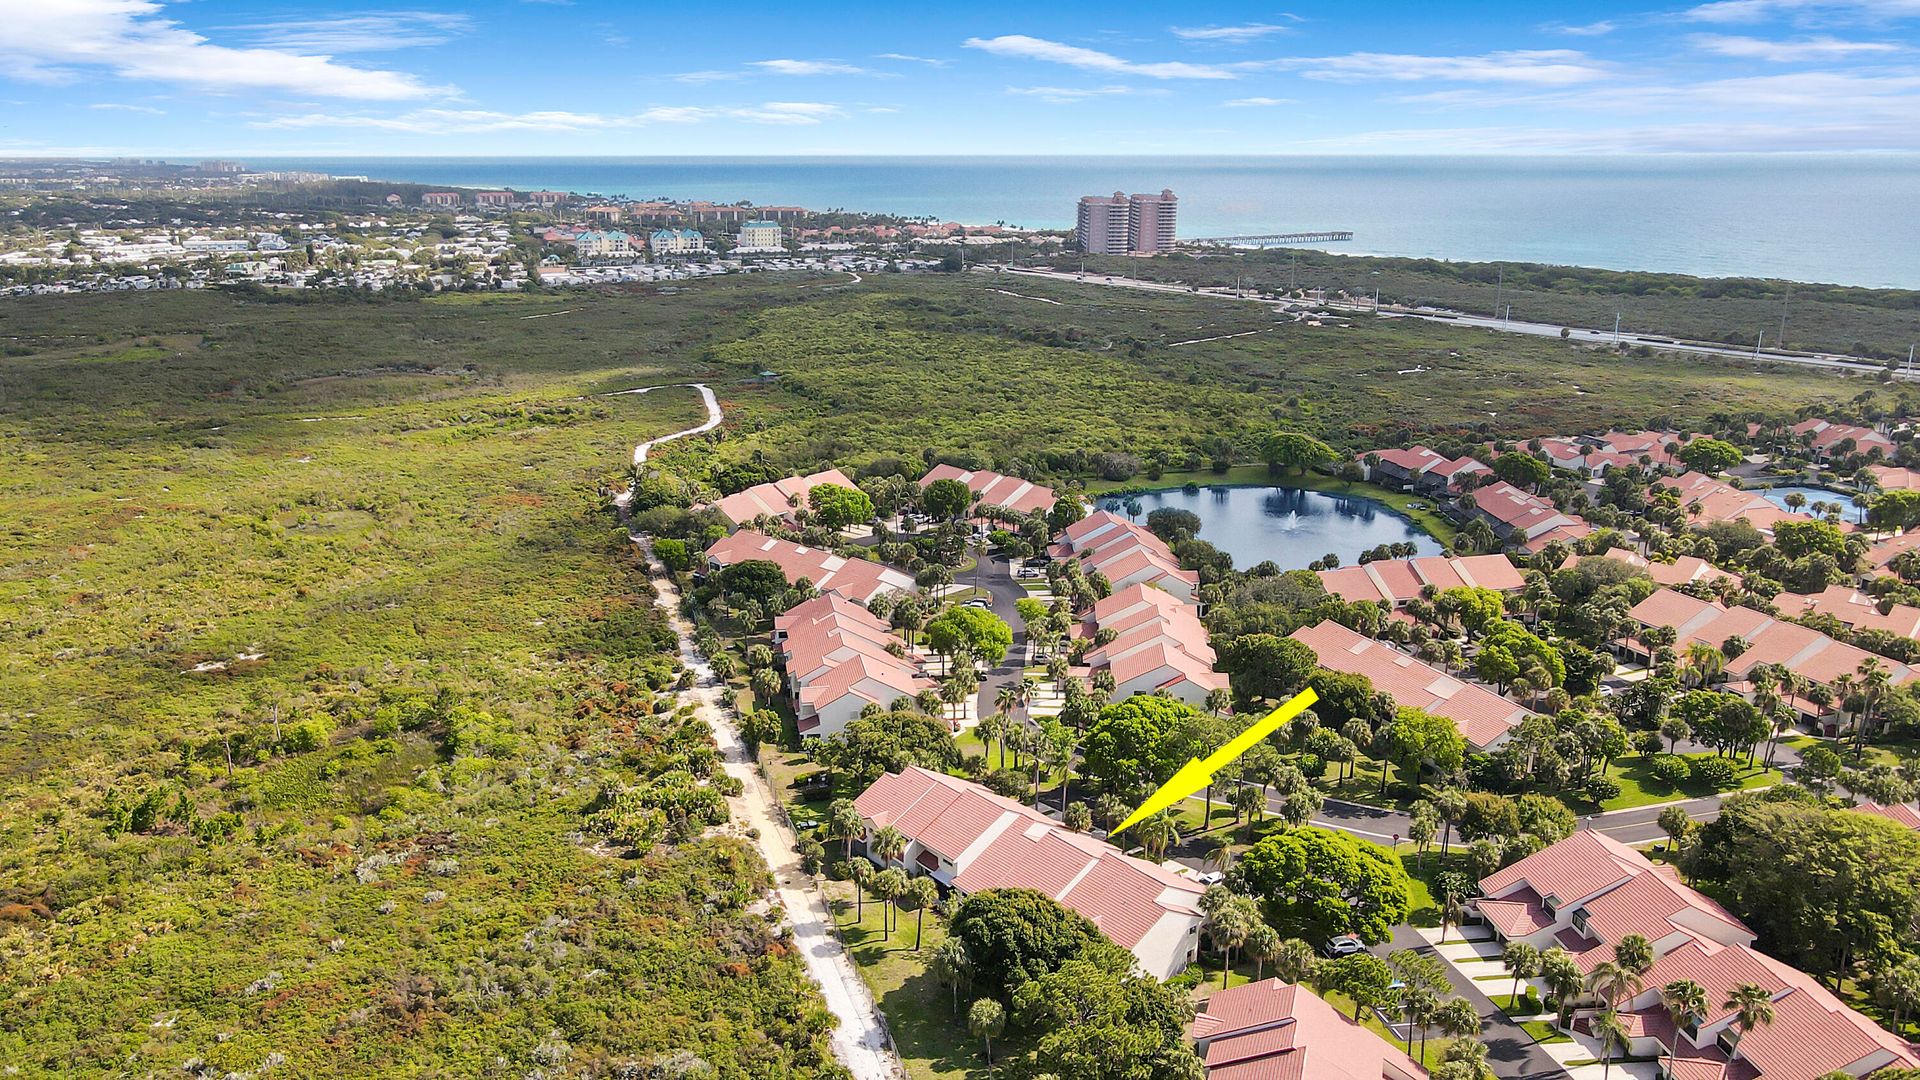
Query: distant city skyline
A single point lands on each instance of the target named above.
(590, 77)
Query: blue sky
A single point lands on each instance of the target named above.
(589, 77)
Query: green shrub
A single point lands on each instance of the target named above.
(1715, 772)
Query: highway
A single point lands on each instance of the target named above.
(1585, 336)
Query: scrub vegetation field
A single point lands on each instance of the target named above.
(337, 731)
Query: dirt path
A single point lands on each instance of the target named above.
(713, 417)
(860, 1041)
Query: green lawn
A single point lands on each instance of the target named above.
(1544, 1032)
(931, 1036)
(1638, 787)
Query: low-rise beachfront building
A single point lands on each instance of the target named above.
(1484, 718)
(996, 489)
(1524, 520)
(1806, 652)
(839, 658)
(759, 236)
(677, 241)
(1159, 644)
(1422, 469)
(440, 198)
(1395, 581)
(599, 244)
(1595, 454)
(1587, 892)
(494, 199)
(968, 839)
(1275, 1030)
(1128, 554)
(855, 579)
(778, 498)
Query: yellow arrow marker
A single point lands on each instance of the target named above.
(1197, 774)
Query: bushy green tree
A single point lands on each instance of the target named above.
(1316, 884)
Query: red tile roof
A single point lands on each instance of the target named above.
(997, 489)
(1808, 652)
(778, 498)
(858, 579)
(1899, 813)
(1397, 581)
(1481, 715)
(1270, 1029)
(996, 843)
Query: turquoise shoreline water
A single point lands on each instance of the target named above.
(1841, 218)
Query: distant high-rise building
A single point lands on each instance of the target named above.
(1122, 224)
(1150, 221)
(1102, 226)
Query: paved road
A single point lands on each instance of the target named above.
(1511, 1052)
(1635, 825)
(992, 575)
(1835, 361)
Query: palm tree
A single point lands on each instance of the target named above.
(887, 885)
(1608, 1029)
(1419, 1004)
(1562, 975)
(1219, 701)
(1228, 924)
(1704, 663)
(1294, 961)
(1156, 834)
(985, 1020)
(845, 821)
(887, 844)
(1686, 1003)
(950, 965)
(1262, 944)
(1456, 1018)
(1612, 982)
(1634, 954)
(1470, 1053)
(992, 728)
(860, 871)
(920, 895)
(1523, 960)
(1751, 1006)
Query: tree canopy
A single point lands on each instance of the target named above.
(977, 630)
(1315, 884)
(1014, 936)
(837, 507)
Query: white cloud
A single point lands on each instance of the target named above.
(55, 40)
(1230, 34)
(807, 67)
(1788, 52)
(1032, 48)
(1678, 138)
(1066, 95)
(1730, 11)
(470, 121)
(1592, 29)
(908, 58)
(115, 106)
(1538, 67)
(1257, 102)
(1836, 98)
(371, 31)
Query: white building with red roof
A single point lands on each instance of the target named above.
(1128, 554)
(1159, 644)
(1856, 610)
(1274, 1030)
(1708, 500)
(1824, 439)
(1525, 520)
(1484, 718)
(1587, 892)
(1683, 570)
(1898, 813)
(1396, 581)
(777, 498)
(1806, 652)
(996, 489)
(969, 839)
(1422, 469)
(856, 579)
(839, 659)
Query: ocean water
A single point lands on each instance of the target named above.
(1291, 526)
(1848, 219)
